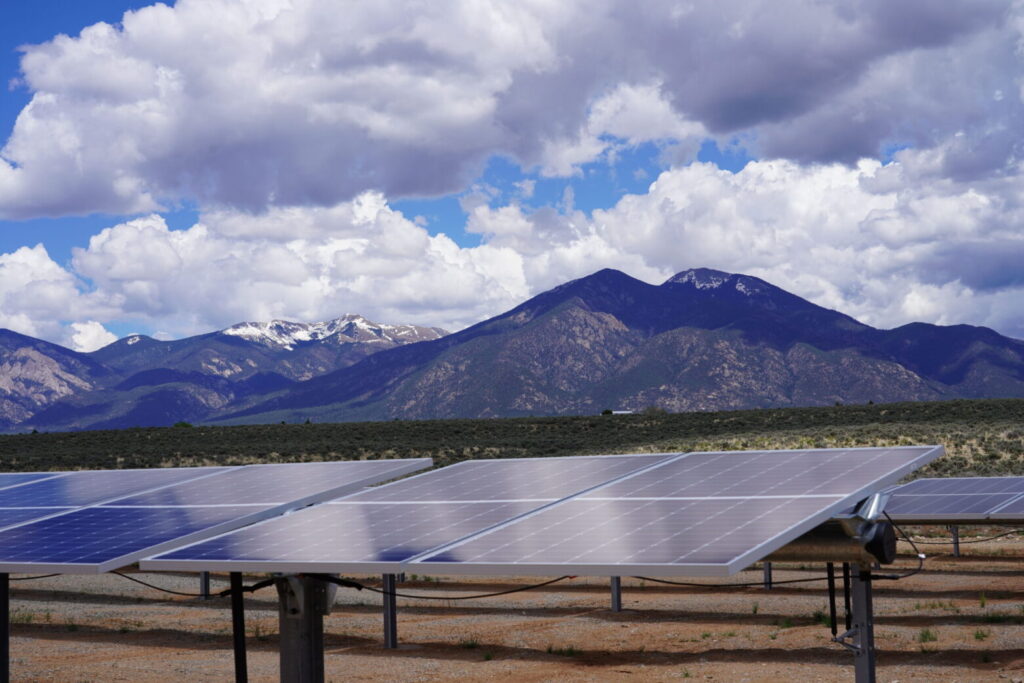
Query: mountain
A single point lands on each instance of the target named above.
(139, 380)
(35, 374)
(702, 340)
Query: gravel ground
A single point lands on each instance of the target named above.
(962, 620)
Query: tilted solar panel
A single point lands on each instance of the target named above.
(702, 514)
(112, 518)
(376, 529)
(958, 500)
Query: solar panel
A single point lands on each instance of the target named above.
(88, 487)
(97, 530)
(702, 514)
(8, 479)
(955, 500)
(376, 529)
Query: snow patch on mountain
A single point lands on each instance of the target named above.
(351, 328)
(701, 278)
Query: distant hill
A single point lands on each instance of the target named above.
(703, 340)
(140, 381)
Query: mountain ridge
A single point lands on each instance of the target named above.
(701, 340)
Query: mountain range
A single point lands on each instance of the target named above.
(702, 340)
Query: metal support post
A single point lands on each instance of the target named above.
(616, 593)
(833, 624)
(302, 603)
(864, 623)
(860, 637)
(767, 576)
(204, 585)
(846, 595)
(238, 628)
(390, 612)
(5, 637)
(955, 530)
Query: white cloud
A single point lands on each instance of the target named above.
(36, 294)
(885, 252)
(90, 335)
(256, 103)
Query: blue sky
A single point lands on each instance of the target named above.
(207, 162)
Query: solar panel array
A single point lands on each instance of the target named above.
(675, 514)
(702, 514)
(377, 529)
(95, 521)
(958, 500)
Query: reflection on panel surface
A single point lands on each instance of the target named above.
(624, 531)
(89, 487)
(512, 479)
(269, 483)
(763, 473)
(353, 533)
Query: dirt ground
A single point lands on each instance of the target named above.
(960, 620)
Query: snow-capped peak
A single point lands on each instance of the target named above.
(134, 339)
(706, 278)
(346, 329)
(701, 278)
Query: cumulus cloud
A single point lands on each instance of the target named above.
(299, 264)
(37, 294)
(257, 103)
(887, 244)
(90, 335)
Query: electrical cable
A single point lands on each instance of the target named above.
(155, 587)
(33, 578)
(977, 540)
(358, 586)
(728, 585)
(920, 556)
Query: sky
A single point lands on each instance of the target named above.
(175, 168)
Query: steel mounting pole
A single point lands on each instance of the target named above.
(5, 615)
(204, 585)
(616, 586)
(238, 628)
(302, 603)
(955, 530)
(390, 612)
(863, 626)
(767, 576)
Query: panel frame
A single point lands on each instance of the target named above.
(408, 466)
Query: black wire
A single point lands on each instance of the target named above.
(728, 585)
(150, 585)
(920, 555)
(358, 586)
(978, 540)
(33, 578)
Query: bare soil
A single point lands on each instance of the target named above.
(960, 620)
